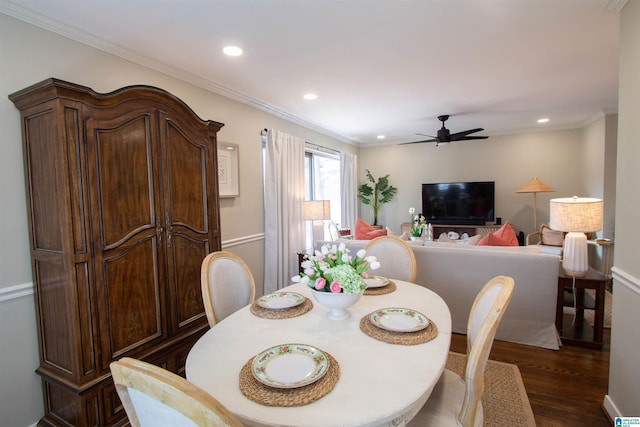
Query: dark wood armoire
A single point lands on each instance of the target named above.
(123, 206)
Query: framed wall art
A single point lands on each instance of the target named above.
(228, 170)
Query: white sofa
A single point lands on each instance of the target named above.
(458, 272)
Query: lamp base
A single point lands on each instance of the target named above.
(575, 260)
(573, 274)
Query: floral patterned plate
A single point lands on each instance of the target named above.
(376, 281)
(290, 365)
(399, 319)
(280, 300)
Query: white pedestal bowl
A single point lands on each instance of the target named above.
(337, 303)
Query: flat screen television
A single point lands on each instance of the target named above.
(462, 203)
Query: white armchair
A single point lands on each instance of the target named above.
(549, 241)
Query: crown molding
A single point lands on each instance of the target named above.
(23, 14)
(615, 5)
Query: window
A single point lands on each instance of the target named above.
(322, 182)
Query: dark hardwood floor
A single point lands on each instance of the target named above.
(565, 387)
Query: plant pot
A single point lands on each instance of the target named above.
(337, 303)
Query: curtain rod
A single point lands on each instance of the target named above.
(321, 148)
(264, 131)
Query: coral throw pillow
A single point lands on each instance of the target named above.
(505, 236)
(366, 232)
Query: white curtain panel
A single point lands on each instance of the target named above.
(349, 184)
(284, 215)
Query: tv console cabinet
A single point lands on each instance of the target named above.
(471, 230)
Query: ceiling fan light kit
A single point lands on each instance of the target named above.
(444, 136)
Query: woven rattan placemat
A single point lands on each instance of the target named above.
(405, 338)
(270, 396)
(286, 313)
(382, 290)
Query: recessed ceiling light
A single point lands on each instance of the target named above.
(380, 137)
(232, 50)
(310, 96)
(543, 120)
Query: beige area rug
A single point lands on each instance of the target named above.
(505, 401)
(590, 314)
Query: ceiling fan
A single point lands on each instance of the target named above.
(444, 136)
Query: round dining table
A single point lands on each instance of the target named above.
(380, 384)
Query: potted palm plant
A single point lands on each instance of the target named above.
(376, 193)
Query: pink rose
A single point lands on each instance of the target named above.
(335, 287)
(320, 283)
(364, 275)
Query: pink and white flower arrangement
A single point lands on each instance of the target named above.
(333, 269)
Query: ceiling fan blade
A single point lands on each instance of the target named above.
(465, 133)
(445, 136)
(469, 138)
(419, 142)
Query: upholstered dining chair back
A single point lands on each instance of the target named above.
(486, 313)
(155, 397)
(456, 401)
(397, 260)
(227, 285)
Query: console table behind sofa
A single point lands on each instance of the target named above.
(471, 230)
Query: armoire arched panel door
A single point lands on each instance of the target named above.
(123, 206)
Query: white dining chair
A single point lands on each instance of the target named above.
(227, 285)
(155, 397)
(396, 258)
(455, 401)
(332, 228)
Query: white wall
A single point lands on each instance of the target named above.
(610, 173)
(590, 156)
(598, 157)
(20, 390)
(624, 371)
(509, 160)
(28, 55)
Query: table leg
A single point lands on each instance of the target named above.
(579, 303)
(559, 306)
(598, 321)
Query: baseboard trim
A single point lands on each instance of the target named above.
(17, 291)
(242, 240)
(610, 407)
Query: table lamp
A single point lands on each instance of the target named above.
(535, 186)
(317, 210)
(576, 216)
